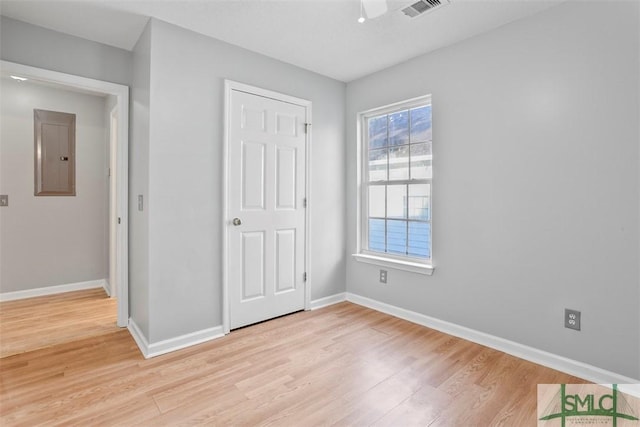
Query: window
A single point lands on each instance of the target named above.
(396, 174)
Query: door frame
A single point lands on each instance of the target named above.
(113, 202)
(121, 93)
(229, 87)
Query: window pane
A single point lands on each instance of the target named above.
(399, 162)
(376, 235)
(419, 200)
(398, 182)
(421, 161)
(399, 128)
(397, 237)
(421, 124)
(376, 201)
(377, 131)
(397, 201)
(419, 239)
(378, 165)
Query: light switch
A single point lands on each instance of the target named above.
(140, 202)
(4, 200)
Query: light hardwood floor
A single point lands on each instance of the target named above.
(340, 365)
(34, 323)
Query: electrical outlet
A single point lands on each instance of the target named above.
(572, 319)
(383, 276)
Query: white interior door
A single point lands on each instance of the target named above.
(266, 208)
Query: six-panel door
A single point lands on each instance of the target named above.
(266, 188)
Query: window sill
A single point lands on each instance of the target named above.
(414, 267)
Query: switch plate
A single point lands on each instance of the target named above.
(572, 319)
(140, 202)
(4, 200)
(383, 276)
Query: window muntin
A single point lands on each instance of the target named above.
(396, 181)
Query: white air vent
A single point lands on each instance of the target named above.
(422, 6)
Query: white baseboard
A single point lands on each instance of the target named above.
(560, 363)
(51, 290)
(330, 300)
(138, 337)
(177, 343)
(107, 287)
(632, 389)
(172, 344)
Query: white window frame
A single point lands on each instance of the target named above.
(413, 264)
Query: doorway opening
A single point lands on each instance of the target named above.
(118, 165)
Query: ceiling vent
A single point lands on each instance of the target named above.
(422, 6)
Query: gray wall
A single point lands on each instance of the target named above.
(536, 182)
(39, 47)
(48, 241)
(184, 202)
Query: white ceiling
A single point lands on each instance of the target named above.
(319, 35)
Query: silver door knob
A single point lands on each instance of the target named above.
(237, 221)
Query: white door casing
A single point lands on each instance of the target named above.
(113, 203)
(265, 214)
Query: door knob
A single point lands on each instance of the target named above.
(237, 221)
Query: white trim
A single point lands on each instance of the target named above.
(138, 337)
(266, 93)
(362, 185)
(113, 202)
(107, 287)
(632, 389)
(414, 267)
(327, 301)
(307, 210)
(229, 87)
(172, 344)
(52, 290)
(399, 105)
(78, 82)
(226, 318)
(122, 94)
(550, 360)
(122, 184)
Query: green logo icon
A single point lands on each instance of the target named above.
(585, 405)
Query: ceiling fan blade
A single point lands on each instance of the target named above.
(374, 8)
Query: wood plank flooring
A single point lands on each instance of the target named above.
(340, 365)
(34, 323)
